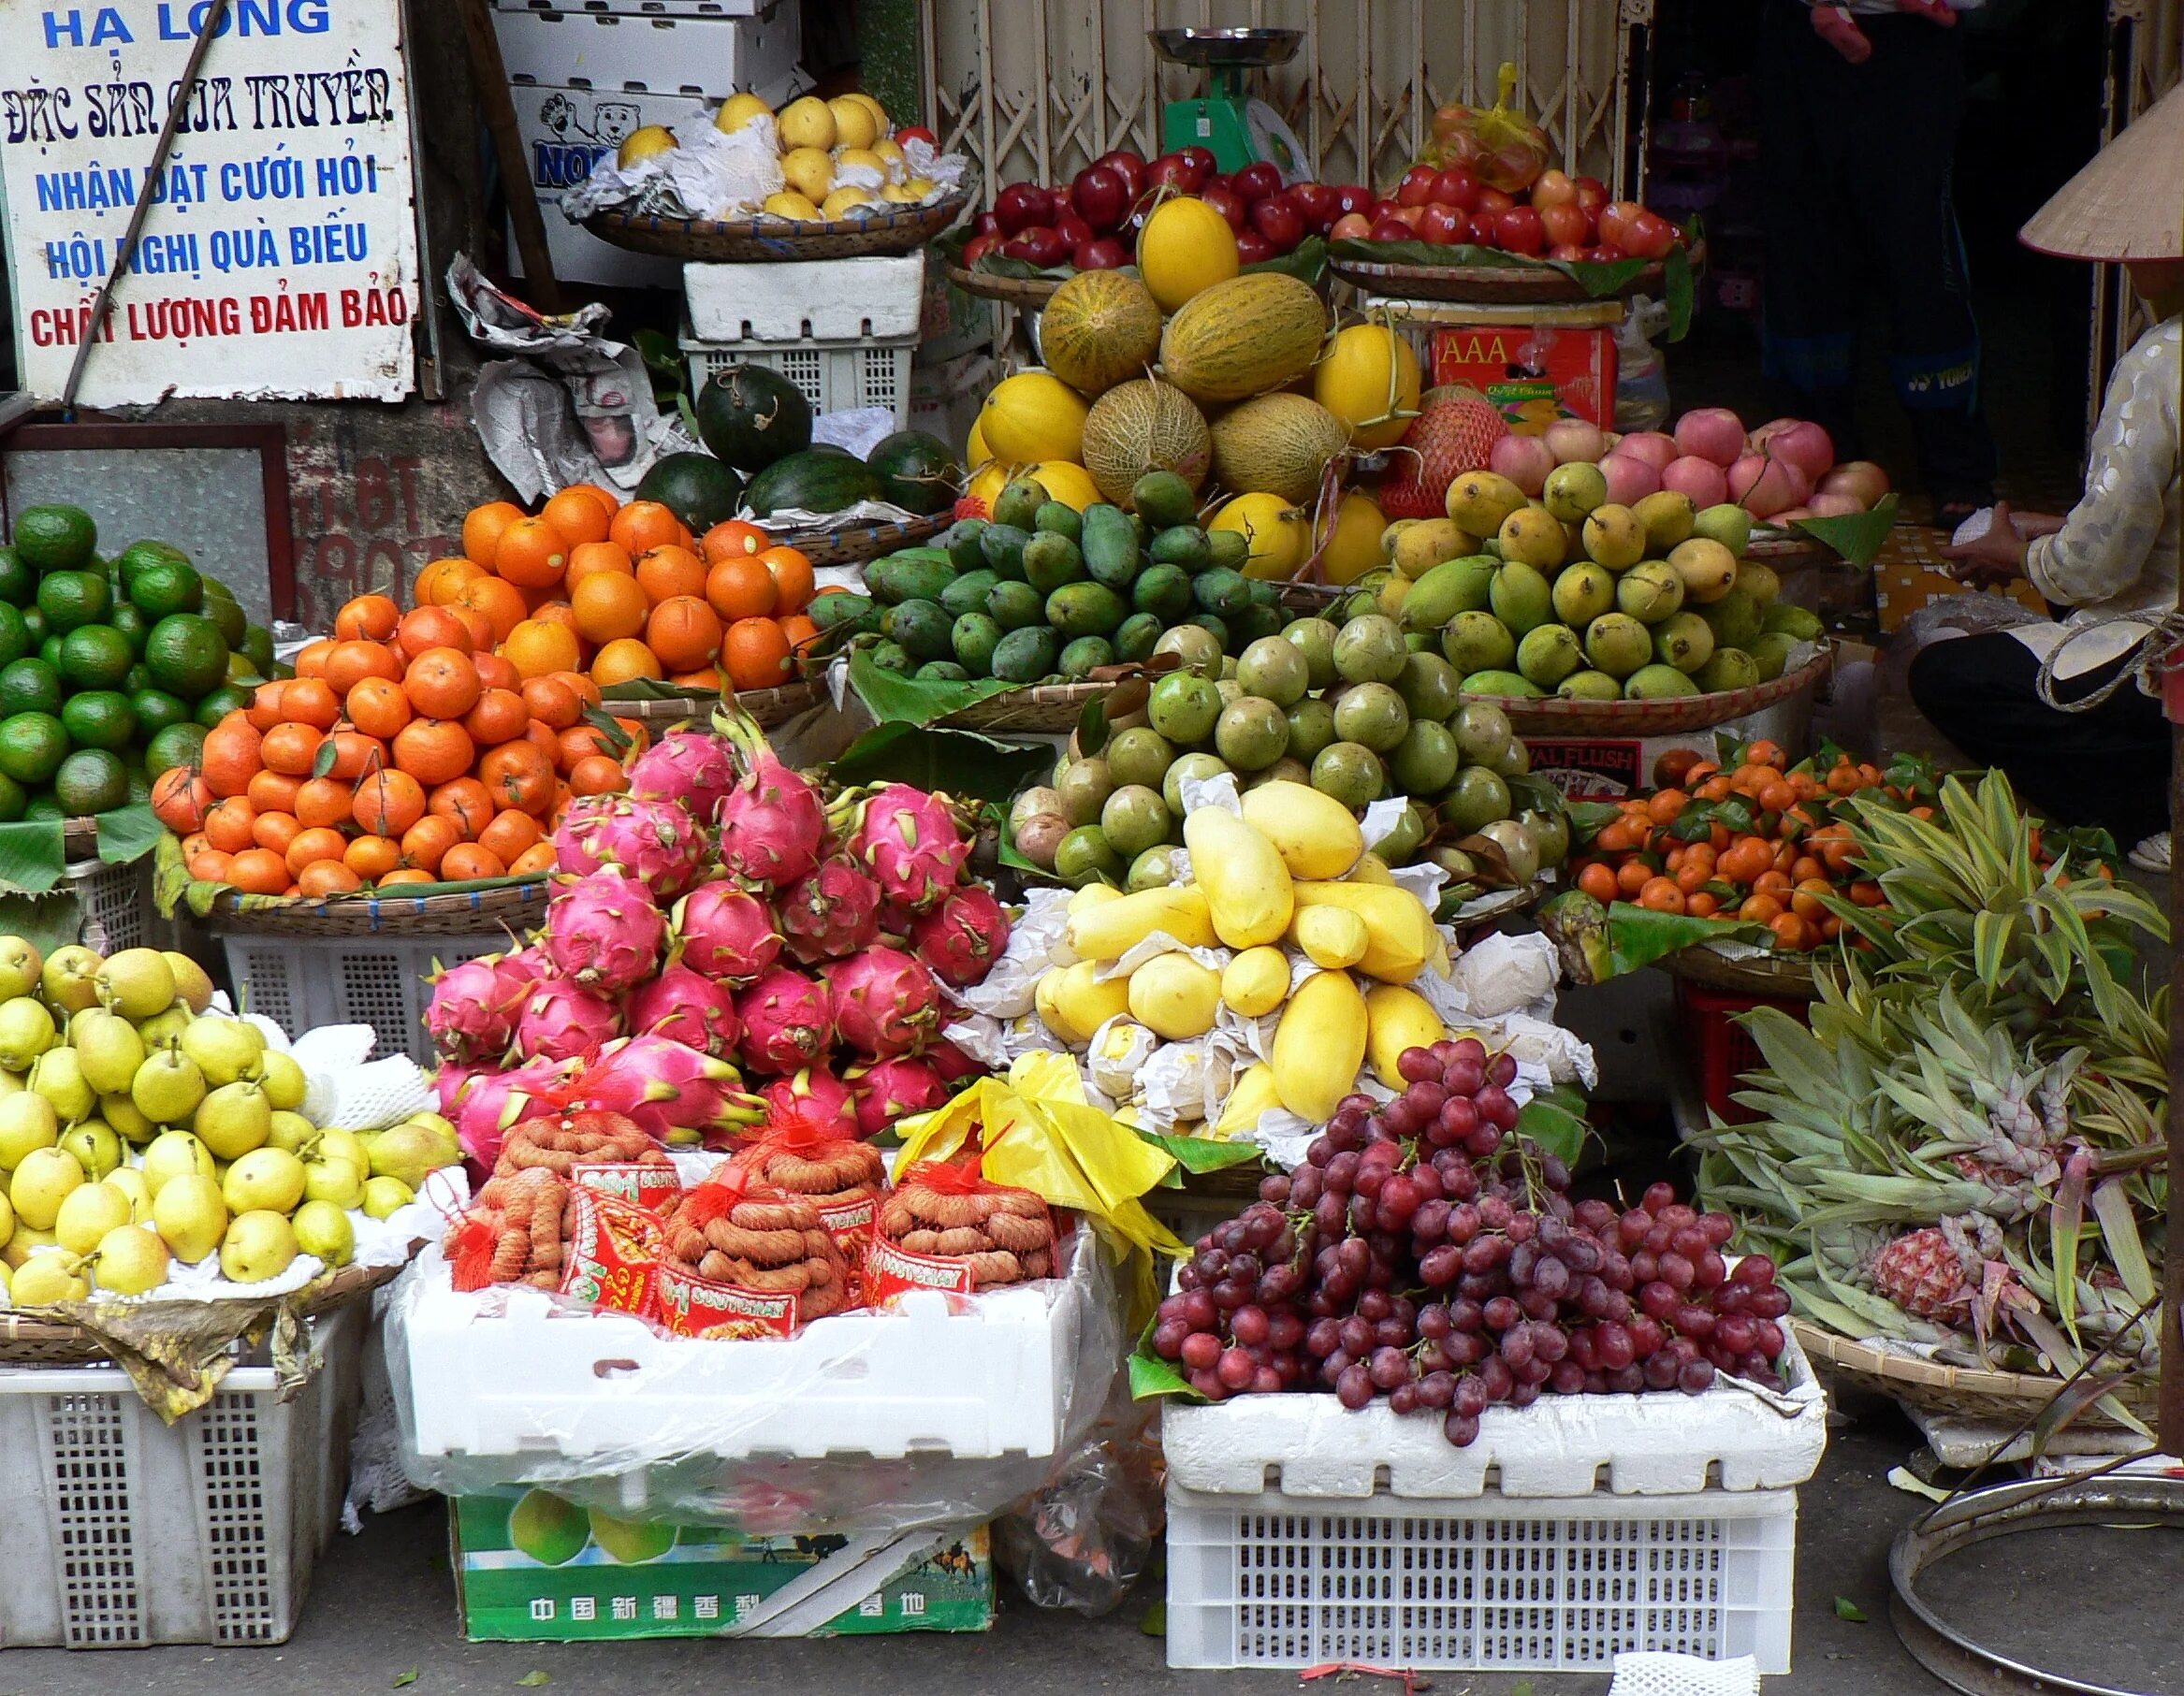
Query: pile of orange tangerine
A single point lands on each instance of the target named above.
(619, 592)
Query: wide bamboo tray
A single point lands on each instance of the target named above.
(1028, 293)
(1783, 977)
(1964, 1391)
(1491, 284)
(1046, 709)
(1554, 716)
(744, 239)
(31, 1338)
(855, 543)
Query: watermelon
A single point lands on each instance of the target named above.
(813, 480)
(697, 487)
(917, 472)
(750, 417)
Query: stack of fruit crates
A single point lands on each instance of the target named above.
(842, 330)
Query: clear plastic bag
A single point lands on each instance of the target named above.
(1087, 1536)
(1497, 144)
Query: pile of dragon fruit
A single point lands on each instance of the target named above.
(724, 923)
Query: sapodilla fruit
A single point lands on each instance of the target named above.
(1454, 432)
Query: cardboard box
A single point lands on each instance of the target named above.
(701, 1581)
(1903, 583)
(708, 57)
(1533, 373)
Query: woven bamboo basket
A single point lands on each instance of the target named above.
(1046, 709)
(27, 1339)
(1784, 977)
(857, 544)
(1028, 293)
(658, 713)
(744, 239)
(514, 904)
(1491, 285)
(1965, 1391)
(1555, 717)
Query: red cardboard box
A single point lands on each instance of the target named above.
(1533, 374)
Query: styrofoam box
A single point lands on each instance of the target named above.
(833, 375)
(917, 1379)
(383, 981)
(1660, 1444)
(708, 57)
(644, 8)
(123, 1531)
(830, 300)
(1493, 1583)
(565, 131)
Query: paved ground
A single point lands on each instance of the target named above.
(2098, 1603)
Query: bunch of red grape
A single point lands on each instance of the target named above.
(1423, 1254)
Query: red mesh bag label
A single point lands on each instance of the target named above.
(850, 1225)
(654, 1187)
(891, 1269)
(691, 1306)
(612, 1255)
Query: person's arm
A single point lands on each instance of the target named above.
(2104, 543)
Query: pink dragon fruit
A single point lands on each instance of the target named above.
(726, 932)
(449, 1083)
(689, 1007)
(491, 1102)
(772, 823)
(787, 1022)
(694, 767)
(896, 921)
(821, 1097)
(960, 939)
(909, 841)
(678, 1095)
(830, 914)
(603, 931)
(885, 1003)
(889, 1090)
(473, 1010)
(656, 842)
(950, 1061)
(564, 1021)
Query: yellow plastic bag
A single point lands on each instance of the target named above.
(1497, 144)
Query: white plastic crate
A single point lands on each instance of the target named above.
(301, 983)
(1490, 1585)
(123, 1532)
(833, 375)
(709, 57)
(881, 296)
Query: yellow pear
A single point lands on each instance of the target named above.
(191, 981)
(737, 110)
(809, 171)
(190, 1216)
(258, 1245)
(48, 1278)
(806, 122)
(130, 1261)
(647, 143)
(853, 123)
(87, 1213)
(787, 203)
(264, 1179)
(40, 1185)
(173, 1154)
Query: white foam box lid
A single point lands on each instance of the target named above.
(707, 57)
(872, 298)
(648, 9)
(920, 1377)
(1656, 1443)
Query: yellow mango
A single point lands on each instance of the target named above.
(1079, 1004)
(1257, 981)
(1331, 936)
(1248, 1097)
(1316, 835)
(1092, 896)
(1174, 996)
(1110, 929)
(1050, 1013)
(1318, 1045)
(1371, 868)
(1246, 883)
(1400, 932)
(1397, 1019)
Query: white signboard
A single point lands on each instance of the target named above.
(279, 256)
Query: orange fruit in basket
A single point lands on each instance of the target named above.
(311, 660)
(257, 871)
(497, 604)
(539, 646)
(310, 701)
(704, 677)
(608, 606)
(228, 825)
(589, 558)
(800, 630)
(309, 847)
(598, 775)
(645, 525)
(683, 631)
(354, 753)
(499, 715)
(433, 750)
(387, 802)
(426, 843)
(441, 683)
(408, 874)
(464, 803)
(509, 833)
(264, 711)
(620, 660)
(669, 571)
(733, 539)
(608, 501)
(275, 831)
(582, 743)
(291, 749)
(273, 791)
(467, 860)
(210, 865)
(321, 802)
(430, 627)
(323, 878)
(441, 578)
(229, 758)
(475, 624)
(520, 774)
(367, 618)
(552, 701)
(371, 857)
(348, 663)
(586, 686)
(755, 655)
(484, 527)
(791, 574)
(179, 800)
(536, 861)
(740, 586)
(496, 672)
(379, 706)
(577, 515)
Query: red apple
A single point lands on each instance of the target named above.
(1316, 203)
(1101, 197)
(1386, 208)
(1520, 230)
(1020, 206)
(987, 224)
(1230, 204)
(1252, 247)
(1592, 193)
(1101, 253)
(1567, 252)
(1389, 230)
(1126, 166)
(1607, 253)
(917, 132)
(1565, 222)
(1200, 160)
(983, 242)
(1351, 226)
(1617, 220)
(1259, 180)
(1038, 244)
(1480, 231)
(1456, 187)
(1071, 229)
(1443, 225)
(1493, 200)
(1409, 214)
(1276, 218)
(1416, 186)
(1650, 235)
(1553, 188)
(1353, 197)
(1171, 171)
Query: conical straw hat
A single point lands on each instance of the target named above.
(2129, 202)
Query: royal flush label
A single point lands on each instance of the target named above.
(278, 256)
(891, 1271)
(649, 1187)
(612, 1256)
(691, 1306)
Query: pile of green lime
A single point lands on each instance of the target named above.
(109, 669)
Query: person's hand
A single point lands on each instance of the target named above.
(2038, 524)
(1994, 557)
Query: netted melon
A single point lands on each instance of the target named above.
(1144, 425)
(1279, 444)
(1244, 336)
(1100, 328)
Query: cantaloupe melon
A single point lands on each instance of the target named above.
(1242, 336)
(1143, 426)
(1277, 444)
(1186, 246)
(1279, 535)
(1033, 415)
(1370, 380)
(1100, 328)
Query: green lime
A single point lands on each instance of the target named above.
(156, 709)
(132, 625)
(71, 598)
(177, 744)
(14, 633)
(257, 641)
(55, 538)
(220, 607)
(89, 780)
(187, 655)
(99, 718)
(138, 555)
(19, 584)
(241, 671)
(32, 747)
(95, 657)
(42, 806)
(34, 622)
(139, 677)
(229, 698)
(167, 587)
(13, 799)
(29, 685)
(49, 651)
(140, 785)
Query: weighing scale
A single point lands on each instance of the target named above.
(1236, 128)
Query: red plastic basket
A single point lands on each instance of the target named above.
(1721, 1050)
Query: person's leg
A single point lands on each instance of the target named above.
(1905, 161)
(2107, 766)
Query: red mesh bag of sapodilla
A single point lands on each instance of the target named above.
(946, 1226)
